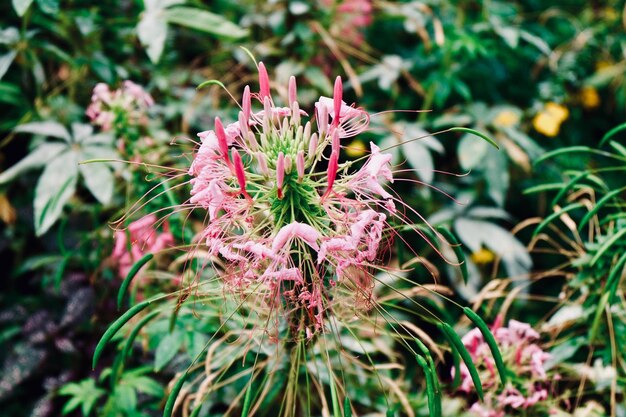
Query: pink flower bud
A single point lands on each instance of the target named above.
(221, 140)
(322, 119)
(243, 125)
(292, 90)
(313, 145)
(262, 161)
(335, 141)
(264, 81)
(300, 165)
(280, 174)
(245, 103)
(333, 166)
(239, 172)
(337, 100)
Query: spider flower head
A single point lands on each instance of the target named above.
(109, 108)
(290, 219)
(521, 352)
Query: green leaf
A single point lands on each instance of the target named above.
(98, 179)
(549, 219)
(471, 152)
(607, 245)
(126, 397)
(55, 187)
(131, 274)
(476, 133)
(458, 250)
(607, 136)
(20, 7)
(491, 342)
(117, 325)
(171, 398)
(47, 128)
(152, 33)
(5, 62)
(457, 344)
(204, 21)
(167, 348)
(48, 6)
(37, 158)
(598, 206)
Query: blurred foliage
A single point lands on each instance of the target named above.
(539, 77)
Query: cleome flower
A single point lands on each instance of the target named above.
(107, 107)
(521, 353)
(289, 219)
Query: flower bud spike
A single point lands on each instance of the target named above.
(322, 119)
(262, 162)
(333, 167)
(239, 172)
(313, 146)
(288, 164)
(280, 174)
(246, 103)
(252, 142)
(337, 100)
(221, 141)
(335, 142)
(300, 165)
(243, 125)
(293, 95)
(264, 82)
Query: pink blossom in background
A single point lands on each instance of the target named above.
(129, 102)
(139, 239)
(522, 354)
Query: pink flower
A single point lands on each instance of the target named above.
(139, 239)
(521, 354)
(286, 225)
(128, 104)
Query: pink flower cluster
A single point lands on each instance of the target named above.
(521, 354)
(289, 218)
(107, 107)
(352, 16)
(139, 239)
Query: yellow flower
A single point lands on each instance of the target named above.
(548, 121)
(7, 212)
(356, 149)
(506, 118)
(589, 97)
(559, 111)
(483, 256)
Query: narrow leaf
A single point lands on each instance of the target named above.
(476, 133)
(430, 390)
(612, 133)
(171, 399)
(614, 277)
(130, 340)
(117, 325)
(210, 82)
(554, 215)
(491, 342)
(607, 245)
(347, 410)
(457, 344)
(458, 250)
(598, 206)
(247, 400)
(131, 274)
